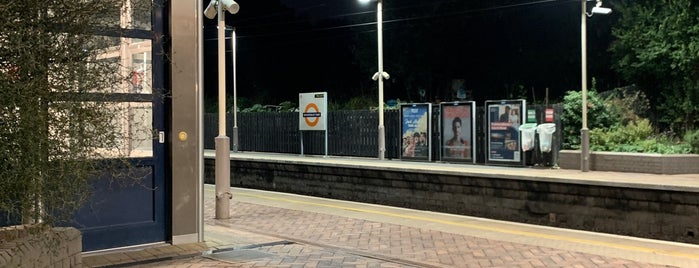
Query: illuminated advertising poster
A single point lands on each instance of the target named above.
(503, 121)
(458, 130)
(415, 131)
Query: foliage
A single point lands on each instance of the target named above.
(635, 137)
(692, 139)
(50, 137)
(256, 108)
(362, 102)
(599, 115)
(628, 102)
(657, 48)
(288, 106)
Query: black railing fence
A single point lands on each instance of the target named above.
(350, 133)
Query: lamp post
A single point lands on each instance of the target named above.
(222, 143)
(585, 132)
(235, 92)
(380, 75)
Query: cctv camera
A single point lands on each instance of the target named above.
(601, 10)
(210, 11)
(231, 6)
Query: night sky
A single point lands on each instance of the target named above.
(502, 49)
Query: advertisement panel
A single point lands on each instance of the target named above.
(313, 113)
(503, 137)
(415, 131)
(458, 131)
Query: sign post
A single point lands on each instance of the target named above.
(313, 114)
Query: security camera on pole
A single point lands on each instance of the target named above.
(223, 157)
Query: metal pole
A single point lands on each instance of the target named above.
(200, 123)
(301, 132)
(223, 156)
(584, 132)
(382, 136)
(235, 92)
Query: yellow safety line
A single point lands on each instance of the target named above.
(486, 228)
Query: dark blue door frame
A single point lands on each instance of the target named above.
(124, 215)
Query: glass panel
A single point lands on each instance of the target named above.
(132, 60)
(133, 14)
(141, 72)
(101, 129)
(141, 135)
(141, 14)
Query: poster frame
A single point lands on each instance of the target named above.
(497, 142)
(446, 135)
(427, 131)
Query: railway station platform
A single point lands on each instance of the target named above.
(271, 229)
(314, 211)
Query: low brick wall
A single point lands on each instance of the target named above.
(665, 213)
(31, 246)
(633, 162)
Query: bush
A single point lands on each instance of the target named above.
(692, 139)
(628, 102)
(599, 115)
(636, 136)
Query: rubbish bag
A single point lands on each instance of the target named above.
(528, 136)
(545, 136)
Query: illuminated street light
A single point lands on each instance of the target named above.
(380, 76)
(585, 132)
(223, 156)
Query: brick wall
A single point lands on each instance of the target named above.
(633, 162)
(652, 213)
(31, 246)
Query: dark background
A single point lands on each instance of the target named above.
(502, 49)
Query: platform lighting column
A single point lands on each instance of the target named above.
(235, 92)
(380, 76)
(585, 132)
(223, 149)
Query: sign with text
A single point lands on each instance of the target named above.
(416, 131)
(549, 115)
(503, 137)
(313, 111)
(458, 129)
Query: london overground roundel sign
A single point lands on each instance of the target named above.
(313, 113)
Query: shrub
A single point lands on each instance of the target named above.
(636, 136)
(599, 115)
(692, 140)
(628, 102)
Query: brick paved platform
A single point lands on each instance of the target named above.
(283, 230)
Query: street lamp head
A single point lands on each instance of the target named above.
(367, 1)
(598, 9)
(601, 10)
(230, 5)
(210, 11)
